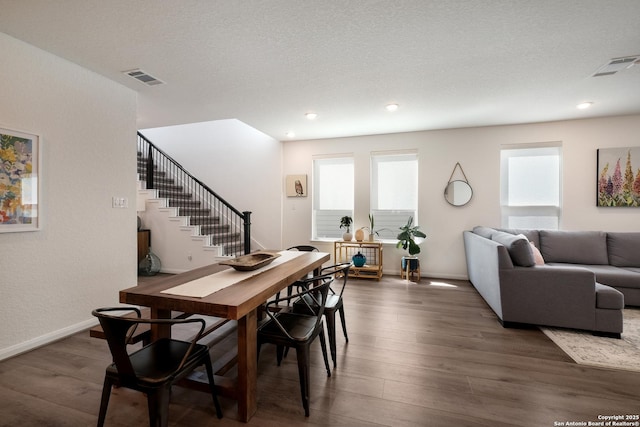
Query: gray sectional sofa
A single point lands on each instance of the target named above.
(570, 279)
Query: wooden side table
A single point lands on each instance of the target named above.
(412, 268)
(344, 251)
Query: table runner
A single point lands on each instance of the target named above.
(207, 285)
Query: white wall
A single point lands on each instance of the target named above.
(239, 163)
(51, 279)
(478, 151)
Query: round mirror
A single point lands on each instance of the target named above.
(458, 193)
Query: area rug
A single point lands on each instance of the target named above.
(587, 349)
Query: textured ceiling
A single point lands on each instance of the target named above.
(448, 64)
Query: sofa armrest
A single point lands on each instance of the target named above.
(549, 295)
(485, 258)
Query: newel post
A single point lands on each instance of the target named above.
(247, 232)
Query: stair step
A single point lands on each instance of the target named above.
(156, 174)
(167, 186)
(214, 229)
(184, 203)
(224, 238)
(173, 194)
(193, 211)
(207, 220)
(233, 249)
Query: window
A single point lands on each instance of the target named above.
(332, 195)
(394, 191)
(530, 186)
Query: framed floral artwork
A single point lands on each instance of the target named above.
(618, 177)
(19, 181)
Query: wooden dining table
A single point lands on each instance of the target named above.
(239, 301)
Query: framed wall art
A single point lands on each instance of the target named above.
(618, 180)
(296, 185)
(19, 181)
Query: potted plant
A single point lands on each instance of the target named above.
(372, 231)
(345, 222)
(407, 240)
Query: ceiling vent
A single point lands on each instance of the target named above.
(617, 64)
(143, 77)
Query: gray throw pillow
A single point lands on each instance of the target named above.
(518, 247)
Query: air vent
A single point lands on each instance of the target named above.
(617, 64)
(143, 77)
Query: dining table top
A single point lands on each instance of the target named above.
(232, 302)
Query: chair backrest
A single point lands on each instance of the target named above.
(316, 289)
(303, 248)
(340, 273)
(118, 330)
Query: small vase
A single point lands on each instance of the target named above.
(359, 260)
(347, 237)
(372, 237)
(150, 265)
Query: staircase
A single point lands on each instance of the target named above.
(216, 221)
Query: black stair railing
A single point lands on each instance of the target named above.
(226, 225)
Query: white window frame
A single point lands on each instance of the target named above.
(326, 222)
(388, 221)
(529, 213)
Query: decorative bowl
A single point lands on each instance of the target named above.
(253, 261)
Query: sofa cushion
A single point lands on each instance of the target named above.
(575, 247)
(518, 247)
(624, 249)
(485, 232)
(607, 297)
(615, 276)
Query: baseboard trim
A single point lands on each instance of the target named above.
(34, 343)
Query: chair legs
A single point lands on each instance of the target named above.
(330, 317)
(323, 344)
(158, 403)
(344, 324)
(302, 354)
(212, 387)
(331, 331)
(158, 400)
(104, 403)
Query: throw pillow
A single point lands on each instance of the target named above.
(518, 247)
(537, 256)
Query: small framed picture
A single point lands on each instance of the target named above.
(19, 181)
(296, 185)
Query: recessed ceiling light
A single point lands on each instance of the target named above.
(391, 107)
(311, 116)
(290, 134)
(584, 105)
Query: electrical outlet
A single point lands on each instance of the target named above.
(119, 202)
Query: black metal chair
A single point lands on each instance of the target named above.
(155, 367)
(340, 272)
(287, 330)
(301, 248)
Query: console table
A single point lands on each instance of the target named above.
(344, 251)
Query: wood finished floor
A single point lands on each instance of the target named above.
(426, 354)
